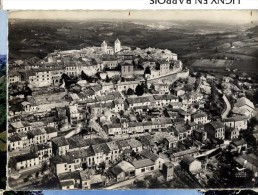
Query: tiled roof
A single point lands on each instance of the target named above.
(142, 163)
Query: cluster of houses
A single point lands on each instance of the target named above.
(106, 61)
(126, 135)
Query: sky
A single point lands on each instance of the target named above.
(232, 16)
(3, 32)
(124, 192)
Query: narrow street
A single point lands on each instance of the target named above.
(126, 182)
(228, 107)
(19, 152)
(99, 129)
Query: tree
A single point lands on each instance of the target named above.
(44, 167)
(118, 68)
(139, 90)
(115, 79)
(102, 166)
(107, 79)
(130, 91)
(152, 86)
(117, 120)
(27, 91)
(196, 106)
(154, 183)
(84, 76)
(65, 77)
(140, 184)
(147, 70)
(121, 112)
(252, 123)
(157, 66)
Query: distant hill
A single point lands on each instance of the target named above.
(253, 30)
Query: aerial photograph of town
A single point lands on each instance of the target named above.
(132, 100)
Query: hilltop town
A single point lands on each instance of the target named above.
(117, 117)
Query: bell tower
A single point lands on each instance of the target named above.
(117, 46)
(104, 47)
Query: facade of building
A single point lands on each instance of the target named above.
(215, 129)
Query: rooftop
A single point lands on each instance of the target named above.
(217, 124)
(60, 141)
(142, 163)
(149, 155)
(188, 159)
(24, 157)
(199, 115)
(244, 101)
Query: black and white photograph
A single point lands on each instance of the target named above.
(132, 99)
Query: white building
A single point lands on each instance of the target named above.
(117, 46)
(104, 47)
(244, 106)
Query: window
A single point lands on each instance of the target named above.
(152, 168)
(143, 170)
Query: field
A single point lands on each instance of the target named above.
(214, 63)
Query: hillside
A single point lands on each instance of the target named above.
(253, 30)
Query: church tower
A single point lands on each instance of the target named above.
(104, 47)
(117, 46)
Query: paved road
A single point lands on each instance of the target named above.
(228, 107)
(19, 152)
(29, 171)
(19, 183)
(172, 76)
